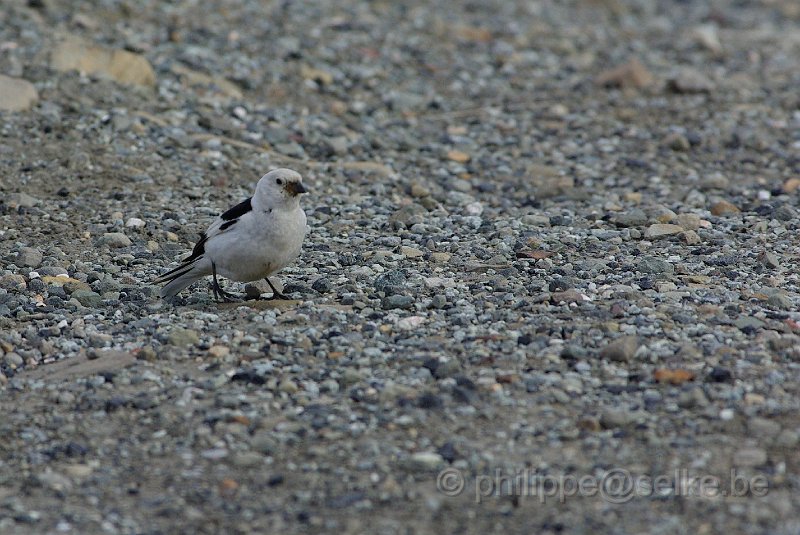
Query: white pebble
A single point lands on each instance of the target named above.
(134, 222)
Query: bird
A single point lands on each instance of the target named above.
(256, 238)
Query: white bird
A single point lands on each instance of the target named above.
(249, 242)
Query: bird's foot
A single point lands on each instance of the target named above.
(225, 296)
(275, 293)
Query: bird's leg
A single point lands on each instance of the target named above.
(217, 289)
(275, 293)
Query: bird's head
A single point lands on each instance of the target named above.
(281, 186)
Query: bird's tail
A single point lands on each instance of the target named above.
(179, 278)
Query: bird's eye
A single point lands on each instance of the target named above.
(279, 181)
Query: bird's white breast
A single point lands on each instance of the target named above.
(260, 244)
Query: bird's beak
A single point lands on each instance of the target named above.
(295, 188)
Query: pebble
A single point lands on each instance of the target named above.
(424, 461)
(723, 208)
(659, 230)
(183, 337)
(691, 81)
(115, 240)
(748, 457)
(656, 266)
(20, 200)
(621, 350)
(73, 53)
(17, 94)
(30, 257)
(410, 252)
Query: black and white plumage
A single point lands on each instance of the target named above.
(249, 242)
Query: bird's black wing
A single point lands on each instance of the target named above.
(239, 210)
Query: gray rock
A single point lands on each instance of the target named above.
(423, 461)
(115, 240)
(17, 94)
(660, 230)
(398, 301)
(28, 256)
(746, 323)
(749, 457)
(20, 200)
(621, 350)
(183, 337)
(88, 298)
(13, 360)
(632, 218)
(779, 301)
(655, 266)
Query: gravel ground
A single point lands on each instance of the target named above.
(553, 239)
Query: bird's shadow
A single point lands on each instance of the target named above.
(262, 304)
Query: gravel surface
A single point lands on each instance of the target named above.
(549, 238)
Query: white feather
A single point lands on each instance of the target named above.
(260, 242)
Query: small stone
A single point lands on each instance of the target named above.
(787, 438)
(749, 324)
(219, 351)
(690, 237)
(567, 296)
(13, 282)
(791, 185)
(247, 459)
(632, 218)
(115, 240)
(13, 360)
(30, 257)
(322, 285)
(71, 286)
(319, 76)
(632, 75)
(779, 301)
(770, 260)
(17, 94)
(122, 66)
(621, 350)
(424, 461)
(253, 290)
(719, 374)
(762, 427)
(391, 279)
(692, 398)
(410, 252)
(677, 142)
(706, 35)
(134, 222)
(750, 457)
(438, 301)
(656, 266)
(398, 301)
(688, 221)
(690, 81)
(659, 230)
(183, 337)
(288, 386)
(88, 298)
(615, 418)
(458, 156)
(724, 208)
(20, 200)
(419, 191)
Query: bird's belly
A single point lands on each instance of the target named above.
(246, 262)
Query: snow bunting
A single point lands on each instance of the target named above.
(251, 241)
